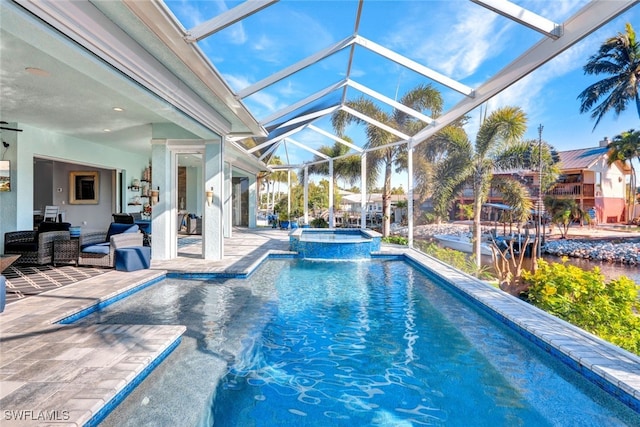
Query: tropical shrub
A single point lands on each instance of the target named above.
(429, 218)
(319, 223)
(456, 259)
(396, 240)
(584, 298)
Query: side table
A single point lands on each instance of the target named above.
(6, 261)
(66, 251)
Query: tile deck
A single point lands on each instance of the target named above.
(66, 374)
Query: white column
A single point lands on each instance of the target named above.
(273, 196)
(213, 227)
(163, 237)
(253, 200)
(410, 193)
(306, 194)
(363, 190)
(289, 195)
(228, 196)
(331, 219)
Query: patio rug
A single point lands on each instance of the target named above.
(26, 280)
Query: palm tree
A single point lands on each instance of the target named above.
(497, 147)
(345, 167)
(619, 57)
(277, 177)
(625, 148)
(563, 212)
(426, 158)
(383, 155)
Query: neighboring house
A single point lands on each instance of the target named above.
(585, 176)
(351, 202)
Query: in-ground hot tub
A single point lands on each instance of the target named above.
(334, 243)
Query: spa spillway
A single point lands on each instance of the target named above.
(334, 243)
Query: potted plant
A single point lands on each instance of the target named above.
(284, 220)
(293, 221)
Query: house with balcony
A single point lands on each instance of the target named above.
(585, 176)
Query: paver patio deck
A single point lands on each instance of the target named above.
(68, 373)
(64, 374)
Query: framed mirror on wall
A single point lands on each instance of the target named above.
(5, 175)
(84, 187)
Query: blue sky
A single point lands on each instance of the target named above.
(456, 38)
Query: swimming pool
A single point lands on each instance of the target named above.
(330, 343)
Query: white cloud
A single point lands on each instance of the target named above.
(288, 90)
(558, 10)
(264, 104)
(237, 82)
(529, 92)
(261, 104)
(188, 13)
(456, 41)
(192, 14)
(473, 39)
(237, 35)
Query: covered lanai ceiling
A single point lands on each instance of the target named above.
(297, 74)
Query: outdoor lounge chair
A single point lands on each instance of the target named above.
(98, 248)
(36, 246)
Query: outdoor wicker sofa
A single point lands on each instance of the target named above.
(36, 246)
(98, 248)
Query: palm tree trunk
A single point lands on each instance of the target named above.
(632, 203)
(477, 228)
(386, 200)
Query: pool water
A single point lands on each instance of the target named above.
(379, 344)
(321, 343)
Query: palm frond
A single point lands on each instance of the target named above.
(619, 57)
(514, 194)
(503, 126)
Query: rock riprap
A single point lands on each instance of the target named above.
(626, 252)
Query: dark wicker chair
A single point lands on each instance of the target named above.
(123, 218)
(36, 246)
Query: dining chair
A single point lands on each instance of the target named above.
(51, 213)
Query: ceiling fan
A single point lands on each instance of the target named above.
(6, 128)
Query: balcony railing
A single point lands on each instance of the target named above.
(572, 190)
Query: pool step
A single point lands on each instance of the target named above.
(53, 373)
